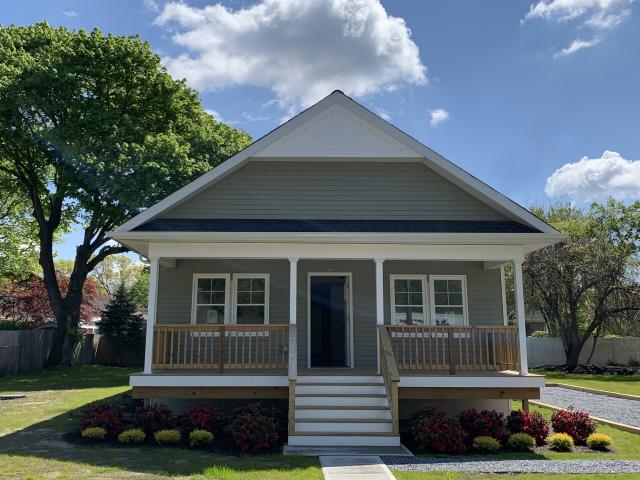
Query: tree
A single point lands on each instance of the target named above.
(121, 323)
(117, 270)
(93, 130)
(140, 288)
(587, 282)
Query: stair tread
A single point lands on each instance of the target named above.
(344, 434)
(343, 420)
(331, 395)
(339, 384)
(341, 407)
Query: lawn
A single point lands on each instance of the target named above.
(32, 446)
(629, 384)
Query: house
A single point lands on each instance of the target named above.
(341, 266)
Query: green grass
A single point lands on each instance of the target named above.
(32, 445)
(629, 384)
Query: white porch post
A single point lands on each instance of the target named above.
(522, 331)
(151, 314)
(379, 303)
(293, 307)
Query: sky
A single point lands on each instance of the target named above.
(539, 99)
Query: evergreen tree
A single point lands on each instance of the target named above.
(121, 323)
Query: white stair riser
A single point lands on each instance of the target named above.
(340, 389)
(348, 379)
(343, 440)
(337, 427)
(344, 414)
(342, 401)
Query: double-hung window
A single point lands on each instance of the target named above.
(448, 299)
(251, 298)
(210, 299)
(408, 300)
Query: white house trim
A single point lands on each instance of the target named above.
(392, 305)
(234, 294)
(465, 303)
(170, 380)
(227, 293)
(151, 313)
(432, 160)
(472, 381)
(522, 331)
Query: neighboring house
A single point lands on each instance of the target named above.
(342, 265)
(535, 322)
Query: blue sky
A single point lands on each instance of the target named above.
(539, 99)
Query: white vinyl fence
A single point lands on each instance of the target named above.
(549, 351)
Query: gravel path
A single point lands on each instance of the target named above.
(616, 409)
(511, 466)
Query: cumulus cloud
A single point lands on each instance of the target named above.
(597, 15)
(438, 116)
(301, 50)
(70, 13)
(591, 179)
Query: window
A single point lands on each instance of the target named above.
(210, 299)
(448, 299)
(251, 298)
(408, 300)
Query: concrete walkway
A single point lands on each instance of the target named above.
(340, 467)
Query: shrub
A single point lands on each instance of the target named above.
(254, 428)
(561, 442)
(167, 437)
(433, 431)
(154, 418)
(134, 435)
(521, 442)
(202, 418)
(103, 415)
(578, 425)
(94, 434)
(487, 423)
(200, 438)
(486, 444)
(599, 441)
(531, 423)
(540, 334)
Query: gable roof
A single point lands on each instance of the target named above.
(395, 136)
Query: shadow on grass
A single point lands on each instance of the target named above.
(46, 441)
(68, 378)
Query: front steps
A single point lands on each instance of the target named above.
(342, 411)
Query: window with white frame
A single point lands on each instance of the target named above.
(448, 299)
(210, 299)
(251, 302)
(408, 300)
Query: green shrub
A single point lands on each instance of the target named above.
(540, 334)
(134, 435)
(521, 442)
(200, 438)
(599, 441)
(560, 442)
(167, 437)
(95, 434)
(486, 444)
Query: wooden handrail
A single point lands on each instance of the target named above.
(390, 375)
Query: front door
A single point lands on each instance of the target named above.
(329, 321)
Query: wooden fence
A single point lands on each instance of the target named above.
(24, 351)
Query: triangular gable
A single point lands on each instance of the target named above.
(291, 134)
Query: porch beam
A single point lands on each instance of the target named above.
(151, 313)
(520, 313)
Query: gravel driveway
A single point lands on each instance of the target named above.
(511, 466)
(616, 409)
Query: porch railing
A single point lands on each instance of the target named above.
(451, 348)
(390, 375)
(220, 347)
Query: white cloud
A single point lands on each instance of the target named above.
(575, 46)
(382, 113)
(215, 115)
(70, 13)
(591, 179)
(438, 116)
(151, 5)
(302, 50)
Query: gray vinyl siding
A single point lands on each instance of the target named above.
(484, 290)
(334, 190)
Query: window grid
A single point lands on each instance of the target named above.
(449, 299)
(408, 297)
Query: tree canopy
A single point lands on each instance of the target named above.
(93, 130)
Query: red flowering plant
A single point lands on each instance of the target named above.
(254, 428)
(578, 425)
(531, 423)
(103, 415)
(433, 431)
(201, 418)
(154, 418)
(486, 423)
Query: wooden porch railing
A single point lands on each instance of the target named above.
(454, 348)
(389, 370)
(220, 347)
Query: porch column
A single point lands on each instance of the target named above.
(151, 314)
(293, 307)
(522, 331)
(379, 303)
